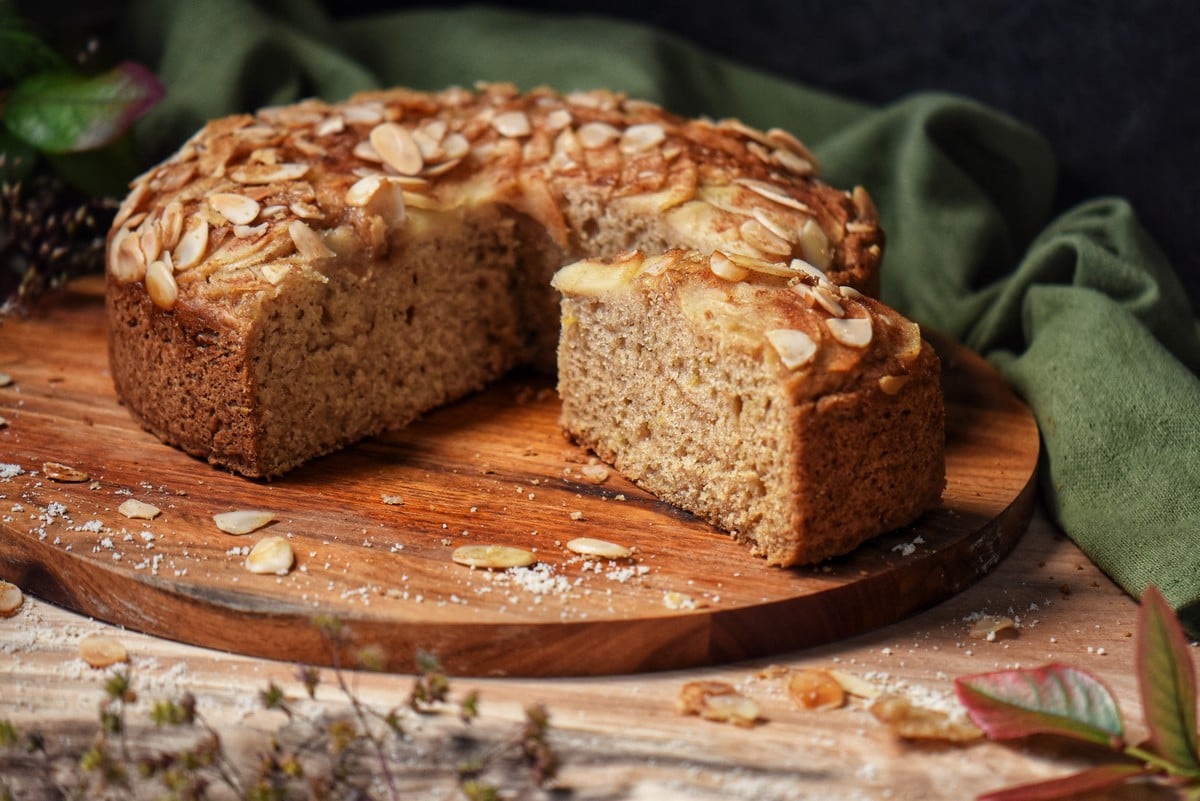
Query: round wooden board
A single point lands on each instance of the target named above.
(493, 468)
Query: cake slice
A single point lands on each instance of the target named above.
(800, 416)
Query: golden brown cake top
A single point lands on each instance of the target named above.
(818, 336)
(252, 202)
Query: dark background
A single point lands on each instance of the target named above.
(1113, 85)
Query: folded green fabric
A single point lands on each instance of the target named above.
(1081, 314)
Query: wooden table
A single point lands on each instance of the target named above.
(621, 736)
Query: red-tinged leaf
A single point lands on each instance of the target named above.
(1069, 786)
(1168, 682)
(1054, 699)
(60, 112)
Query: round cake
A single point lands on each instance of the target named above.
(292, 281)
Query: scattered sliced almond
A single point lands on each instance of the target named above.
(493, 557)
(637, 138)
(56, 471)
(3, 422)
(815, 689)
(160, 284)
(914, 722)
(242, 521)
(717, 701)
(100, 651)
(392, 500)
(853, 685)
(595, 473)
(603, 549)
(271, 555)
(992, 627)
(308, 242)
(5, 379)
(192, 243)
(596, 134)
(139, 510)
(11, 599)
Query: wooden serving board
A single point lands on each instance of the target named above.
(493, 468)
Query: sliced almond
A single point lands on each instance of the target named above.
(595, 135)
(512, 124)
(762, 238)
(493, 557)
(128, 263)
(139, 510)
(160, 285)
(993, 627)
(853, 332)
(271, 555)
(237, 209)
(5, 380)
(910, 721)
(602, 549)
(378, 194)
(773, 193)
(269, 173)
(557, 120)
(853, 685)
(171, 224)
(724, 267)
(100, 651)
(637, 138)
(717, 701)
(308, 242)
(11, 599)
(797, 165)
(242, 521)
(193, 243)
(595, 473)
(455, 146)
(815, 689)
(814, 244)
(56, 471)
(396, 148)
(794, 348)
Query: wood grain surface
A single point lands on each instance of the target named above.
(493, 468)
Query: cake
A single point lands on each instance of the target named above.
(292, 281)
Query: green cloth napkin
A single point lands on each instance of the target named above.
(1081, 314)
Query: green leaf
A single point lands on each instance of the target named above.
(1054, 699)
(1069, 786)
(61, 112)
(1168, 682)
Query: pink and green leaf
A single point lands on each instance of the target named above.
(1054, 699)
(1168, 683)
(1071, 786)
(60, 112)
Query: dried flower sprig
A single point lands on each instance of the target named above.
(1068, 702)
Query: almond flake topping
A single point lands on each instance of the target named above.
(762, 238)
(557, 120)
(396, 148)
(308, 242)
(455, 146)
(797, 165)
(594, 135)
(237, 209)
(854, 332)
(129, 264)
(814, 244)
(139, 510)
(171, 224)
(642, 137)
(242, 521)
(271, 555)
(269, 173)
(512, 124)
(160, 285)
(724, 267)
(772, 193)
(275, 272)
(11, 599)
(795, 348)
(192, 244)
